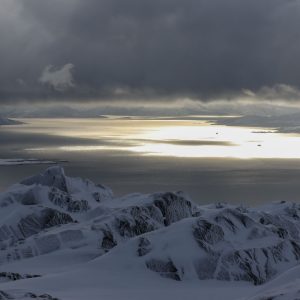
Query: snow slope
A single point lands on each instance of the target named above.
(70, 238)
(285, 286)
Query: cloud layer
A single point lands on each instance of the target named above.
(139, 49)
(58, 79)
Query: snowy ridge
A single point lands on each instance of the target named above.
(223, 244)
(51, 217)
(50, 211)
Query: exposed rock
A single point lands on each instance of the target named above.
(231, 245)
(24, 295)
(12, 276)
(165, 268)
(144, 246)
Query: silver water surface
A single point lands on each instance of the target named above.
(148, 156)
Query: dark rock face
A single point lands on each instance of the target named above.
(34, 223)
(64, 200)
(48, 218)
(10, 296)
(256, 264)
(108, 241)
(144, 246)
(134, 221)
(173, 207)
(233, 244)
(207, 234)
(281, 225)
(165, 269)
(162, 210)
(11, 276)
(40, 297)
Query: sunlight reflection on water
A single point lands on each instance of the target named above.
(160, 155)
(174, 138)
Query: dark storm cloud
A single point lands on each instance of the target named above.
(146, 49)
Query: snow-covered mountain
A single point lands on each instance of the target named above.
(56, 229)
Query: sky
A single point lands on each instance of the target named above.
(140, 52)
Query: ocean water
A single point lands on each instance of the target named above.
(212, 163)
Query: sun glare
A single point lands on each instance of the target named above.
(174, 138)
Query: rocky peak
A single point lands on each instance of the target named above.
(53, 177)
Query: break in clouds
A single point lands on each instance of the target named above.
(100, 50)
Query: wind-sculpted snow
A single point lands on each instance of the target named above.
(284, 287)
(50, 211)
(164, 234)
(226, 243)
(285, 292)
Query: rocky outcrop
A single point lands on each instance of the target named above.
(41, 205)
(165, 269)
(24, 296)
(13, 276)
(150, 213)
(32, 223)
(225, 244)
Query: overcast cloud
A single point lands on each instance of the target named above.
(59, 79)
(99, 50)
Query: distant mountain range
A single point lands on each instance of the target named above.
(72, 239)
(6, 121)
(282, 123)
